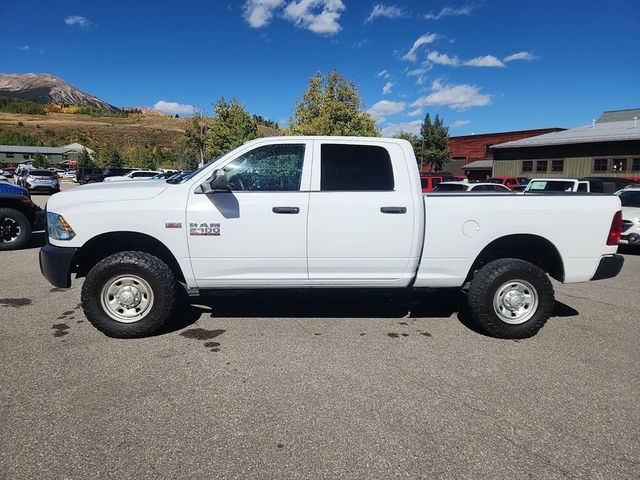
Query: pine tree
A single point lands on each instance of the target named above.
(331, 107)
(433, 147)
(230, 127)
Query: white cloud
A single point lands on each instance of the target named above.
(520, 56)
(382, 10)
(257, 13)
(456, 97)
(80, 21)
(409, 127)
(419, 73)
(459, 123)
(450, 12)
(173, 107)
(387, 88)
(385, 107)
(27, 48)
(416, 112)
(383, 74)
(423, 40)
(319, 16)
(443, 59)
(484, 61)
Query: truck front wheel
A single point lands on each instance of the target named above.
(15, 229)
(511, 298)
(129, 295)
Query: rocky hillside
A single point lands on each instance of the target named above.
(44, 88)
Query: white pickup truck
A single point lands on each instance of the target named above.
(322, 212)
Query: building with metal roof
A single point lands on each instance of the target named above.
(619, 115)
(604, 149)
(13, 155)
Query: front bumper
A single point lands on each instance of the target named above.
(609, 267)
(55, 264)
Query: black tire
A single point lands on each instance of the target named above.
(485, 286)
(152, 270)
(9, 217)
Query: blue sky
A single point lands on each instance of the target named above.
(483, 65)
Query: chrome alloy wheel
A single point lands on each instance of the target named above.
(127, 298)
(9, 230)
(515, 302)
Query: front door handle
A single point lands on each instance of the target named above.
(393, 209)
(290, 210)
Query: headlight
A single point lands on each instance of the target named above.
(58, 227)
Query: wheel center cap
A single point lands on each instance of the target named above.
(514, 300)
(128, 297)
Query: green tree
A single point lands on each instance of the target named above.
(85, 160)
(230, 127)
(11, 137)
(196, 134)
(39, 161)
(141, 157)
(109, 157)
(433, 145)
(331, 106)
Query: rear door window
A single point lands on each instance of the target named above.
(355, 168)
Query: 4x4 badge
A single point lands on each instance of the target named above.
(204, 229)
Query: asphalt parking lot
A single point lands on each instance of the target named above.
(317, 385)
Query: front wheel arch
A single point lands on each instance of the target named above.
(106, 244)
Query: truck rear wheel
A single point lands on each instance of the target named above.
(129, 295)
(511, 298)
(15, 229)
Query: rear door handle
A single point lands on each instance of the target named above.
(290, 210)
(393, 209)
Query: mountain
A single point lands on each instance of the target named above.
(44, 88)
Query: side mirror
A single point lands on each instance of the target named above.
(218, 183)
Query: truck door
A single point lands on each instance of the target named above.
(361, 214)
(256, 234)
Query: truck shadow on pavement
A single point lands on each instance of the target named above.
(332, 304)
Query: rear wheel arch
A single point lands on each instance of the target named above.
(106, 244)
(528, 247)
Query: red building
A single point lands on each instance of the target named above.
(467, 149)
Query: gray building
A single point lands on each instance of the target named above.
(607, 148)
(68, 155)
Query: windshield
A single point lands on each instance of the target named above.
(630, 199)
(183, 178)
(551, 186)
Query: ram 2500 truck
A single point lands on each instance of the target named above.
(321, 212)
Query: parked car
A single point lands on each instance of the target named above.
(133, 175)
(41, 180)
(69, 174)
(165, 175)
(471, 187)
(7, 172)
(557, 185)
(362, 222)
(430, 182)
(630, 199)
(508, 182)
(19, 216)
(607, 184)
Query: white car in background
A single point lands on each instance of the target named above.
(133, 175)
(630, 199)
(471, 187)
(557, 185)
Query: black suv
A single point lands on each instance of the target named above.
(94, 175)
